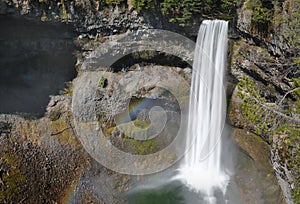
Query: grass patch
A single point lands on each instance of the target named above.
(142, 147)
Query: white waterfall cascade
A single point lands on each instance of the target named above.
(201, 169)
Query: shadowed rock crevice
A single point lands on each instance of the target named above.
(149, 57)
(36, 61)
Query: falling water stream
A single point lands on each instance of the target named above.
(202, 170)
(199, 177)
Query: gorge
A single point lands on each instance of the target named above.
(43, 155)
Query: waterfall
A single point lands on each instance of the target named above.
(201, 169)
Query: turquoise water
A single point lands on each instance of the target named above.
(172, 193)
(167, 195)
(247, 185)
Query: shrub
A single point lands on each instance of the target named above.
(143, 4)
(252, 109)
(262, 15)
(181, 11)
(292, 155)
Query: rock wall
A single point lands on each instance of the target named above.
(260, 56)
(95, 18)
(263, 62)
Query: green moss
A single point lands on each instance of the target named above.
(297, 104)
(62, 130)
(296, 82)
(102, 83)
(12, 179)
(297, 61)
(140, 123)
(142, 147)
(110, 130)
(296, 194)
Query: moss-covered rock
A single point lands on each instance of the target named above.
(11, 176)
(286, 153)
(255, 147)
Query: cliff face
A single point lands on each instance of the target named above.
(96, 18)
(264, 61)
(262, 70)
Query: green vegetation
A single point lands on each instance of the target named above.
(102, 83)
(178, 11)
(12, 179)
(143, 4)
(297, 61)
(62, 129)
(252, 108)
(262, 116)
(263, 11)
(142, 147)
(293, 21)
(297, 85)
(181, 11)
(293, 37)
(292, 154)
(228, 5)
(262, 15)
(69, 89)
(140, 123)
